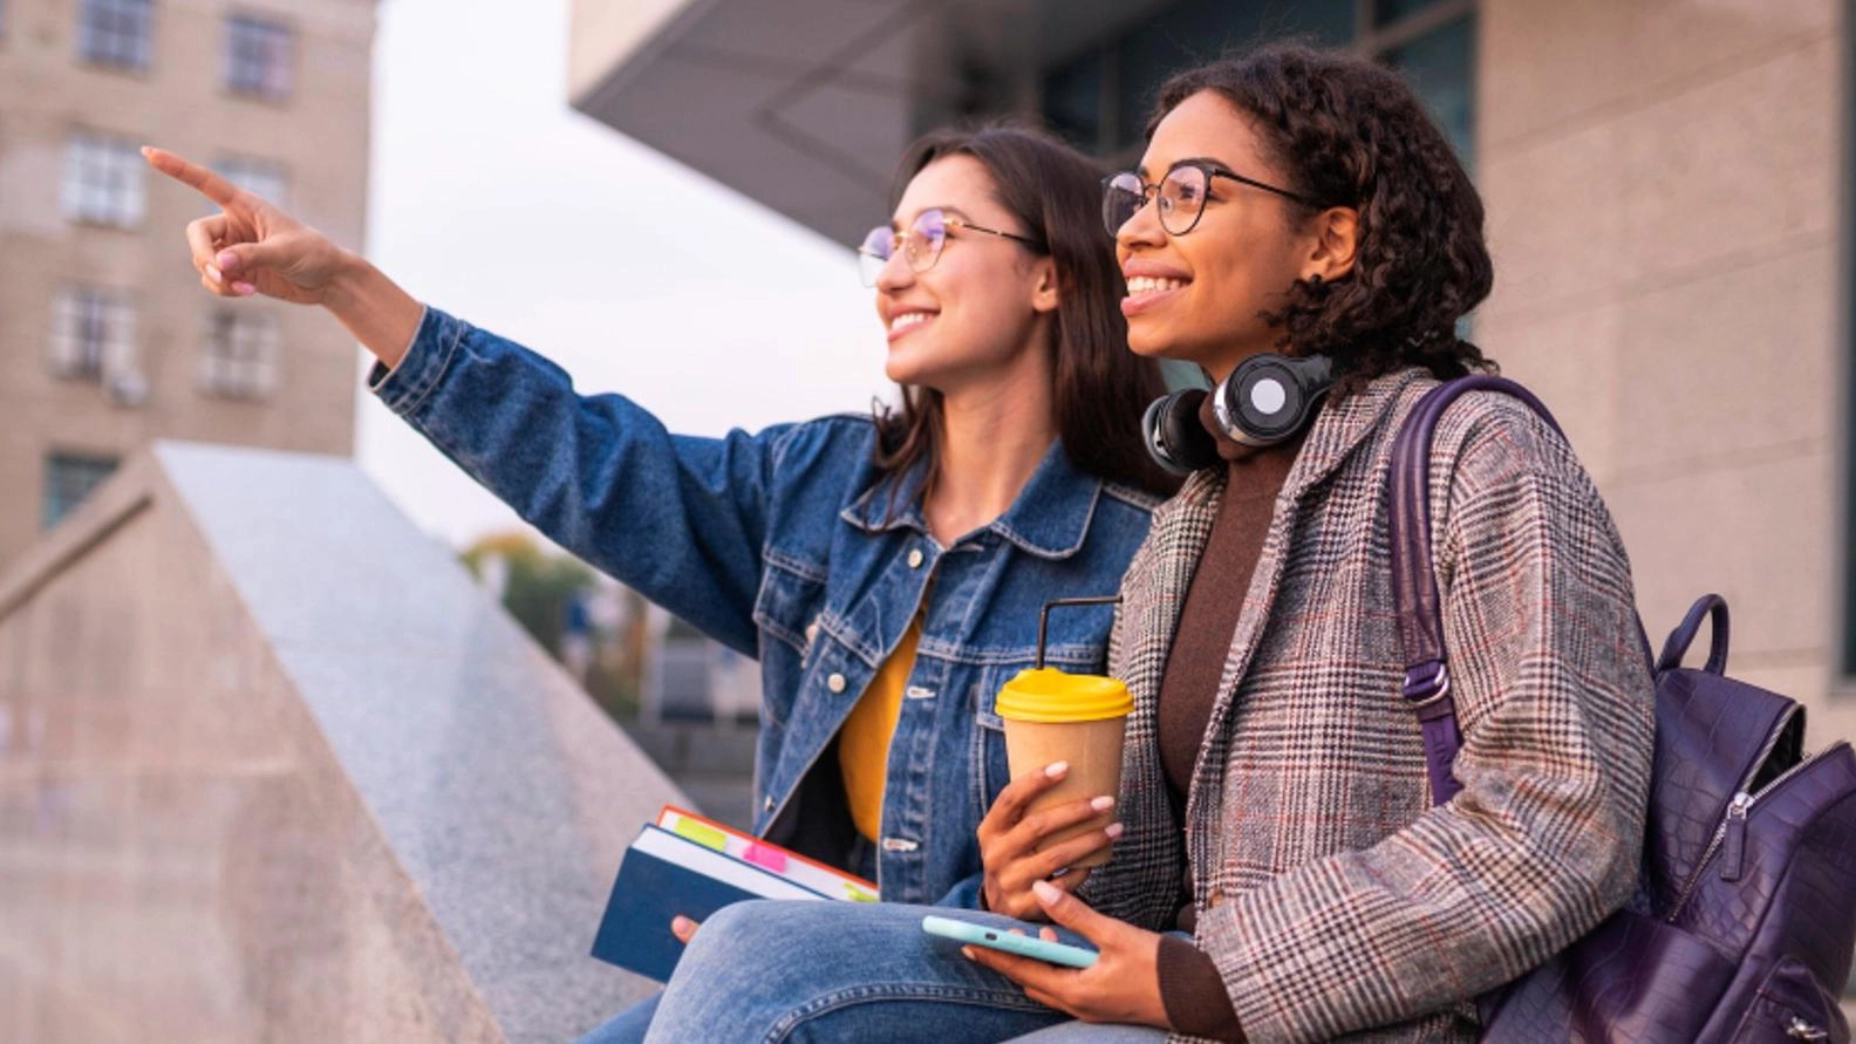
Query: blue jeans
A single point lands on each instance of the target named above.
(766, 972)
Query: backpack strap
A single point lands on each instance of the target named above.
(1414, 578)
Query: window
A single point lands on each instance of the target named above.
(239, 358)
(1392, 12)
(1102, 98)
(258, 177)
(115, 33)
(1434, 48)
(69, 478)
(258, 57)
(1847, 652)
(102, 181)
(93, 333)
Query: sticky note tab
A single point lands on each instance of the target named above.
(771, 858)
(856, 894)
(706, 836)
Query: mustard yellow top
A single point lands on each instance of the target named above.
(1046, 694)
(863, 745)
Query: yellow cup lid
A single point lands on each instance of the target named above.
(1046, 694)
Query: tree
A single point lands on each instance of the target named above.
(537, 586)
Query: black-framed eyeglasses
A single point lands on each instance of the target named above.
(921, 244)
(1182, 193)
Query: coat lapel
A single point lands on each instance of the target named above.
(1340, 429)
(1178, 533)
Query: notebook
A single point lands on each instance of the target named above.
(685, 864)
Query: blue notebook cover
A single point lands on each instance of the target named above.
(664, 875)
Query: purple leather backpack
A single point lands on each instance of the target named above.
(1745, 915)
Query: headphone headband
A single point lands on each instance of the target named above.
(1265, 401)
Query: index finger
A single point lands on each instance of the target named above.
(1025, 971)
(1016, 797)
(209, 184)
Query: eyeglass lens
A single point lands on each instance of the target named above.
(1180, 195)
(921, 245)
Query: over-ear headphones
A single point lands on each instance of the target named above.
(1266, 400)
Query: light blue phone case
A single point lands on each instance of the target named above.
(1000, 939)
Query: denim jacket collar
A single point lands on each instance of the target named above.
(1049, 519)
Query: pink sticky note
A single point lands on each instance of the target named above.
(771, 858)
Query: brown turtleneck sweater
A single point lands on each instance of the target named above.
(1190, 985)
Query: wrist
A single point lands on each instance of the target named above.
(342, 293)
(380, 315)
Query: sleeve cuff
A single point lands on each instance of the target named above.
(1193, 992)
(404, 387)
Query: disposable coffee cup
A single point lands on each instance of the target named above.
(1051, 716)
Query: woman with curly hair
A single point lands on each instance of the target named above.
(1279, 871)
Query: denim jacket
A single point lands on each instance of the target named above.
(787, 545)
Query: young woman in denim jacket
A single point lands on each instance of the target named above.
(912, 550)
(1282, 874)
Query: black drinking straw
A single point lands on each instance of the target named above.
(1044, 616)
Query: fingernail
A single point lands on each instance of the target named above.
(227, 259)
(967, 952)
(1102, 804)
(1056, 769)
(1045, 891)
(213, 273)
(244, 289)
(680, 924)
(1113, 830)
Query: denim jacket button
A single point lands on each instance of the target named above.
(915, 558)
(835, 683)
(766, 804)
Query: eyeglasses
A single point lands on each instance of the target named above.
(1182, 194)
(921, 244)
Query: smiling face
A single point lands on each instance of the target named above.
(982, 306)
(1200, 297)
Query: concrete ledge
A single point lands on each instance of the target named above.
(272, 767)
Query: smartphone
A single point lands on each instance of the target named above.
(1001, 939)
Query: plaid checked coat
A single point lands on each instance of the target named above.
(1332, 897)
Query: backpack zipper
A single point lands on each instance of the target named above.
(1742, 801)
(1731, 833)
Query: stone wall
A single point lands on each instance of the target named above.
(273, 768)
(1663, 182)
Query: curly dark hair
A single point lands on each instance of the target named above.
(1351, 133)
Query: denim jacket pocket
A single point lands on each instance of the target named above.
(787, 610)
(991, 769)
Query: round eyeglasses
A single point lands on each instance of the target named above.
(1181, 195)
(921, 244)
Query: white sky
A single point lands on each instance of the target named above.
(493, 200)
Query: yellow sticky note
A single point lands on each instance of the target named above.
(706, 836)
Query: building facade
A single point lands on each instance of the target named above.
(1665, 184)
(106, 340)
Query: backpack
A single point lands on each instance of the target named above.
(1744, 919)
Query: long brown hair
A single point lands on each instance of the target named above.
(1101, 387)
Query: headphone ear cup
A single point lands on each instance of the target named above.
(1269, 397)
(1175, 437)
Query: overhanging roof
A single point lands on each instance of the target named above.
(806, 105)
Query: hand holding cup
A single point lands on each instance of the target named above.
(1018, 849)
